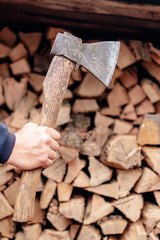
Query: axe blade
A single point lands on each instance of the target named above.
(99, 58)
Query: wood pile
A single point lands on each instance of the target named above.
(105, 183)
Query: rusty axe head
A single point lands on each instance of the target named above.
(99, 58)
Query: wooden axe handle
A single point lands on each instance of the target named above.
(54, 88)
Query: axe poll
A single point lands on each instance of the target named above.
(100, 59)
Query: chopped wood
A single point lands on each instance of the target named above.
(135, 231)
(18, 52)
(96, 209)
(77, 75)
(64, 191)
(20, 67)
(130, 206)
(82, 180)
(32, 232)
(56, 218)
(8, 37)
(14, 91)
(150, 216)
(31, 40)
(99, 173)
(4, 70)
(122, 152)
(102, 120)
(151, 89)
(136, 94)
(68, 94)
(129, 77)
(19, 236)
(63, 115)
(117, 73)
(102, 135)
(155, 58)
(38, 215)
(141, 50)
(117, 96)
(68, 153)
(36, 81)
(10, 191)
(7, 227)
(56, 171)
(48, 193)
(153, 236)
(89, 233)
(157, 197)
(126, 180)
(5, 208)
(52, 32)
(157, 106)
(111, 111)
(145, 107)
(5, 174)
(153, 69)
(90, 87)
(149, 130)
(74, 168)
(151, 156)
(85, 106)
(126, 56)
(147, 181)
(128, 112)
(35, 115)
(107, 190)
(122, 127)
(49, 234)
(1, 93)
(113, 225)
(40, 186)
(73, 209)
(4, 51)
(73, 230)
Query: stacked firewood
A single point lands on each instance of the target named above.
(105, 182)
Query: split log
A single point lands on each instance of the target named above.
(111, 111)
(99, 173)
(7, 227)
(149, 130)
(82, 180)
(90, 87)
(4, 70)
(141, 50)
(31, 40)
(129, 113)
(8, 37)
(96, 209)
(73, 209)
(19, 236)
(122, 152)
(118, 96)
(4, 51)
(38, 215)
(6, 209)
(117, 73)
(135, 231)
(9, 192)
(89, 233)
(77, 75)
(20, 67)
(129, 78)
(130, 206)
(151, 90)
(32, 232)
(73, 230)
(136, 94)
(151, 156)
(145, 107)
(150, 216)
(107, 190)
(64, 191)
(113, 225)
(68, 153)
(122, 127)
(49, 234)
(63, 115)
(153, 69)
(85, 106)
(157, 197)
(56, 218)
(48, 193)
(126, 180)
(147, 181)
(5, 174)
(18, 52)
(52, 32)
(36, 81)
(1, 93)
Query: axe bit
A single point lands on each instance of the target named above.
(100, 59)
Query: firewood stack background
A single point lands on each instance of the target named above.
(105, 183)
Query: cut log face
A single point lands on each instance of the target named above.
(149, 129)
(4, 70)
(6, 176)
(1, 93)
(8, 37)
(113, 225)
(122, 127)
(99, 173)
(82, 180)
(153, 69)
(136, 95)
(56, 218)
(89, 233)
(48, 193)
(129, 113)
(7, 227)
(36, 81)
(150, 216)
(147, 182)
(85, 106)
(64, 191)
(145, 107)
(10, 192)
(129, 77)
(130, 206)
(68, 153)
(73, 230)
(20, 67)
(118, 96)
(63, 115)
(4, 51)
(5, 208)
(73, 209)
(18, 52)
(90, 87)
(102, 120)
(135, 231)
(77, 75)
(157, 197)
(122, 152)
(96, 209)
(111, 111)
(107, 190)
(126, 180)
(49, 234)
(151, 90)
(32, 232)
(151, 156)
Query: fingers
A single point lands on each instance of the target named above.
(48, 163)
(52, 155)
(54, 134)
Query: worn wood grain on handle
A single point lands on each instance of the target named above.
(54, 88)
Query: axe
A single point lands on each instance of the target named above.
(100, 59)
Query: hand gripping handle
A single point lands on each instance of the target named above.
(54, 88)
